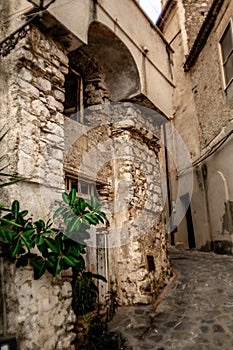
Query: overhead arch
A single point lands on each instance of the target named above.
(118, 65)
(107, 54)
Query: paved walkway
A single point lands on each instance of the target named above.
(195, 314)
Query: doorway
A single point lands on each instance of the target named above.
(189, 221)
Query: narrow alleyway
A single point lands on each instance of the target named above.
(196, 313)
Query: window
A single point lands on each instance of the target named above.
(85, 188)
(73, 106)
(151, 263)
(226, 43)
(8, 343)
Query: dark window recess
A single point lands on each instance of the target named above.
(226, 43)
(189, 221)
(8, 343)
(73, 94)
(71, 184)
(151, 263)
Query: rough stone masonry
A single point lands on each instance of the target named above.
(39, 312)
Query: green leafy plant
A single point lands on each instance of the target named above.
(99, 337)
(44, 248)
(85, 293)
(79, 214)
(55, 252)
(106, 340)
(95, 332)
(36, 243)
(19, 235)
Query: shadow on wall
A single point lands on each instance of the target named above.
(223, 246)
(227, 225)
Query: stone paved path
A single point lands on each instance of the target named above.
(195, 314)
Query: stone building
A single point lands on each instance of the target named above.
(200, 33)
(85, 95)
(117, 107)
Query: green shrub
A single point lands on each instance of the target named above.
(55, 252)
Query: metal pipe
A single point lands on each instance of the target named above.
(227, 197)
(168, 181)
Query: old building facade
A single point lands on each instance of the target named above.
(141, 118)
(200, 33)
(85, 95)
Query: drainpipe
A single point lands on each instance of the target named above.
(167, 181)
(206, 190)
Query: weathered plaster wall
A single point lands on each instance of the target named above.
(184, 120)
(220, 219)
(203, 116)
(215, 116)
(154, 66)
(184, 109)
(202, 88)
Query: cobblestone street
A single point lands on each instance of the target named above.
(195, 313)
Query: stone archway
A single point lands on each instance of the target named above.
(108, 59)
(121, 73)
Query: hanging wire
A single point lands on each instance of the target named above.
(208, 153)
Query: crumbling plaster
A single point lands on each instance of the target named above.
(202, 110)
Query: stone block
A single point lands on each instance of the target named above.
(44, 85)
(25, 74)
(28, 88)
(59, 95)
(66, 290)
(39, 109)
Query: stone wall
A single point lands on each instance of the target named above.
(119, 147)
(215, 114)
(38, 312)
(195, 14)
(32, 78)
(33, 113)
(95, 89)
(213, 108)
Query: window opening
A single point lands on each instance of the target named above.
(85, 188)
(73, 105)
(226, 44)
(151, 263)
